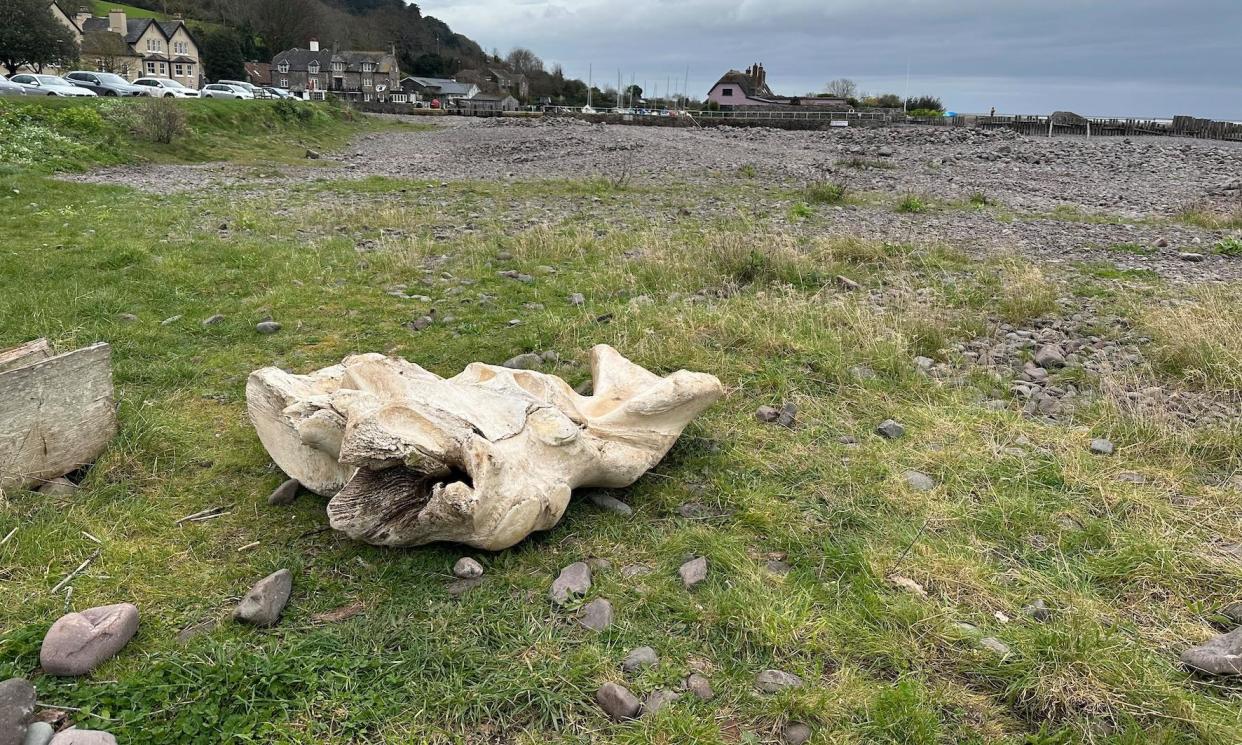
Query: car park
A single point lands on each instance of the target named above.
(49, 85)
(221, 90)
(165, 88)
(104, 83)
(10, 89)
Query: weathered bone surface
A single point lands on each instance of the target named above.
(483, 458)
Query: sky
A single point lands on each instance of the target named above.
(1141, 58)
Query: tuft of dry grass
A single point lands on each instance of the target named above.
(1199, 339)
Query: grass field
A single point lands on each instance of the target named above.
(1021, 511)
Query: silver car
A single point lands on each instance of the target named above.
(10, 89)
(49, 85)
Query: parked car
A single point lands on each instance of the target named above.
(248, 87)
(165, 88)
(220, 90)
(104, 83)
(279, 92)
(10, 89)
(49, 85)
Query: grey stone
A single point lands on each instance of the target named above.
(267, 327)
(634, 570)
(17, 703)
(924, 363)
(1050, 356)
(1220, 655)
(77, 736)
(919, 481)
(213, 320)
(61, 487)
(467, 568)
(599, 565)
(845, 283)
(994, 645)
(312, 154)
(574, 579)
(1038, 611)
(795, 733)
(788, 416)
(772, 681)
(1191, 256)
(420, 323)
(285, 494)
(596, 615)
(78, 642)
(1233, 612)
(1100, 446)
(265, 601)
(862, 372)
(609, 503)
(39, 733)
(658, 699)
(528, 361)
(577, 299)
(767, 414)
(617, 701)
(170, 320)
(777, 567)
(700, 686)
(126, 317)
(640, 658)
(693, 572)
(890, 430)
(460, 587)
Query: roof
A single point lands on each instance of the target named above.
(300, 59)
(444, 85)
(746, 83)
(488, 97)
(135, 27)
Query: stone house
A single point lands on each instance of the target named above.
(140, 47)
(360, 76)
(445, 90)
(487, 102)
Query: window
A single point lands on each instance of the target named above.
(368, 67)
(177, 70)
(189, 71)
(368, 81)
(284, 82)
(150, 68)
(338, 67)
(313, 67)
(726, 91)
(283, 67)
(163, 69)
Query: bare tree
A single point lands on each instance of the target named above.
(842, 88)
(285, 23)
(524, 61)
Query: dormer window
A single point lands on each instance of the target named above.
(368, 67)
(283, 66)
(338, 67)
(313, 68)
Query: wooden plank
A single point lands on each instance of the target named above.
(56, 415)
(25, 354)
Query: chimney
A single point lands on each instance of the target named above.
(84, 13)
(116, 22)
(314, 45)
(763, 76)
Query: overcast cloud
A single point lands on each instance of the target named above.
(1120, 57)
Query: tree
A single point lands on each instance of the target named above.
(31, 36)
(221, 51)
(284, 24)
(524, 61)
(842, 88)
(883, 101)
(634, 92)
(924, 103)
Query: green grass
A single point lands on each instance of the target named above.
(827, 192)
(101, 8)
(1133, 248)
(1127, 572)
(1231, 246)
(912, 204)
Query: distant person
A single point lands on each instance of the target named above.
(993, 111)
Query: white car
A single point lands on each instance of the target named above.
(49, 85)
(165, 88)
(221, 90)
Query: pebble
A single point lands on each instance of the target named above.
(795, 733)
(170, 320)
(617, 701)
(467, 568)
(596, 615)
(78, 642)
(845, 283)
(1220, 655)
(17, 704)
(61, 487)
(126, 317)
(527, 361)
(267, 327)
(994, 645)
(574, 580)
(700, 686)
(658, 699)
(609, 503)
(262, 606)
(213, 320)
(640, 658)
(1050, 356)
(40, 733)
(77, 736)
(1191, 256)
(919, 481)
(285, 494)
(778, 568)
(1038, 611)
(890, 430)
(772, 681)
(1100, 446)
(908, 585)
(693, 572)
(577, 299)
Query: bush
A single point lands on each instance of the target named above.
(160, 120)
(826, 192)
(979, 199)
(1231, 246)
(912, 204)
(924, 112)
(924, 103)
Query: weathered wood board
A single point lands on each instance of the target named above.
(57, 414)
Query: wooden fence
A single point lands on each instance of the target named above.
(1044, 126)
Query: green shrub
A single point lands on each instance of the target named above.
(1231, 246)
(826, 192)
(160, 120)
(979, 199)
(912, 204)
(800, 211)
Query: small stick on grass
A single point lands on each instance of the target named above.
(5, 540)
(201, 514)
(91, 537)
(81, 568)
(248, 546)
(905, 553)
